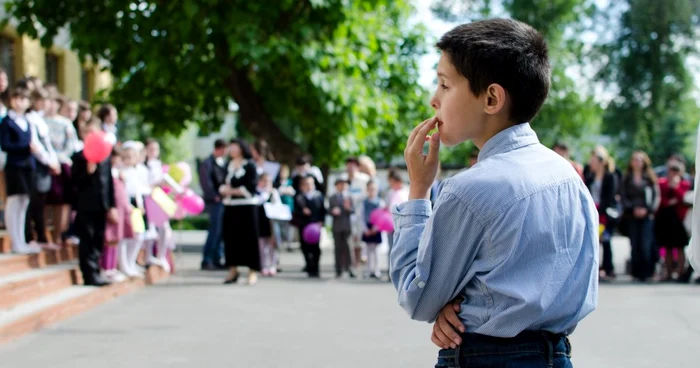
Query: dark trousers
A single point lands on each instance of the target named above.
(607, 265)
(91, 231)
(342, 251)
(213, 252)
(312, 255)
(36, 220)
(642, 242)
(529, 349)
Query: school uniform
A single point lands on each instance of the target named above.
(94, 199)
(15, 140)
(240, 220)
(342, 229)
(45, 157)
(315, 203)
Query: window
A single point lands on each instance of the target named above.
(7, 58)
(51, 69)
(85, 85)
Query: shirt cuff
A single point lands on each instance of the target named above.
(412, 212)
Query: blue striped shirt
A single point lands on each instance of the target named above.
(516, 236)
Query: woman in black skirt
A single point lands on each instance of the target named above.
(240, 230)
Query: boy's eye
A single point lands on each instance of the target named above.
(443, 86)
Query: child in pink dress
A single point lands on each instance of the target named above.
(117, 232)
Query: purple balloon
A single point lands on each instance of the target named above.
(312, 233)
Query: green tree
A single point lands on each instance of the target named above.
(329, 77)
(646, 64)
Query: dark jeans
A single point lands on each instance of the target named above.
(527, 350)
(213, 251)
(642, 242)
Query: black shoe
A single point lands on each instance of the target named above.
(314, 275)
(697, 281)
(338, 275)
(99, 282)
(351, 274)
(231, 280)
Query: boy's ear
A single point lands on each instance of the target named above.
(495, 99)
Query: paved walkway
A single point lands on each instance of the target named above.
(289, 321)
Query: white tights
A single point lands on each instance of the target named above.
(372, 260)
(15, 217)
(268, 254)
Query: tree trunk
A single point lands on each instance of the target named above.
(256, 120)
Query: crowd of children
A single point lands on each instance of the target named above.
(246, 206)
(99, 206)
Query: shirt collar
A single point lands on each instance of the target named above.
(14, 115)
(515, 137)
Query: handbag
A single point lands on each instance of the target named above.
(277, 211)
(137, 224)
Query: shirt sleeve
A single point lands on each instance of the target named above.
(432, 253)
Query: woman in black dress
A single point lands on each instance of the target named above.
(240, 230)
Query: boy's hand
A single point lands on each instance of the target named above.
(335, 211)
(422, 169)
(306, 212)
(446, 327)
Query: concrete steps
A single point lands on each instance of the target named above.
(40, 289)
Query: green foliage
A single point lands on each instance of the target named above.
(331, 77)
(646, 63)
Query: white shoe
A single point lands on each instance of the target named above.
(26, 249)
(118, 276)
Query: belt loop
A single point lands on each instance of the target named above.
(546, 336)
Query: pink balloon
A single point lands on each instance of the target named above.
(312, 233)
(374, 215)
(96, 148)
(166, 189)
(191, 202)
(385, 222)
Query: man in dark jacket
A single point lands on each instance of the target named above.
(212, 173)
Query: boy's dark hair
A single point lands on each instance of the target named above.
(39, 94)
(341, 181)
(19, 92)
(506, 52)
(303, 160)
(219, 144)
(105, 110)
(561, 145)
(61, 101)
(395, 176)
(352, 160)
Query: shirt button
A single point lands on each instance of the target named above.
(421, 284)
